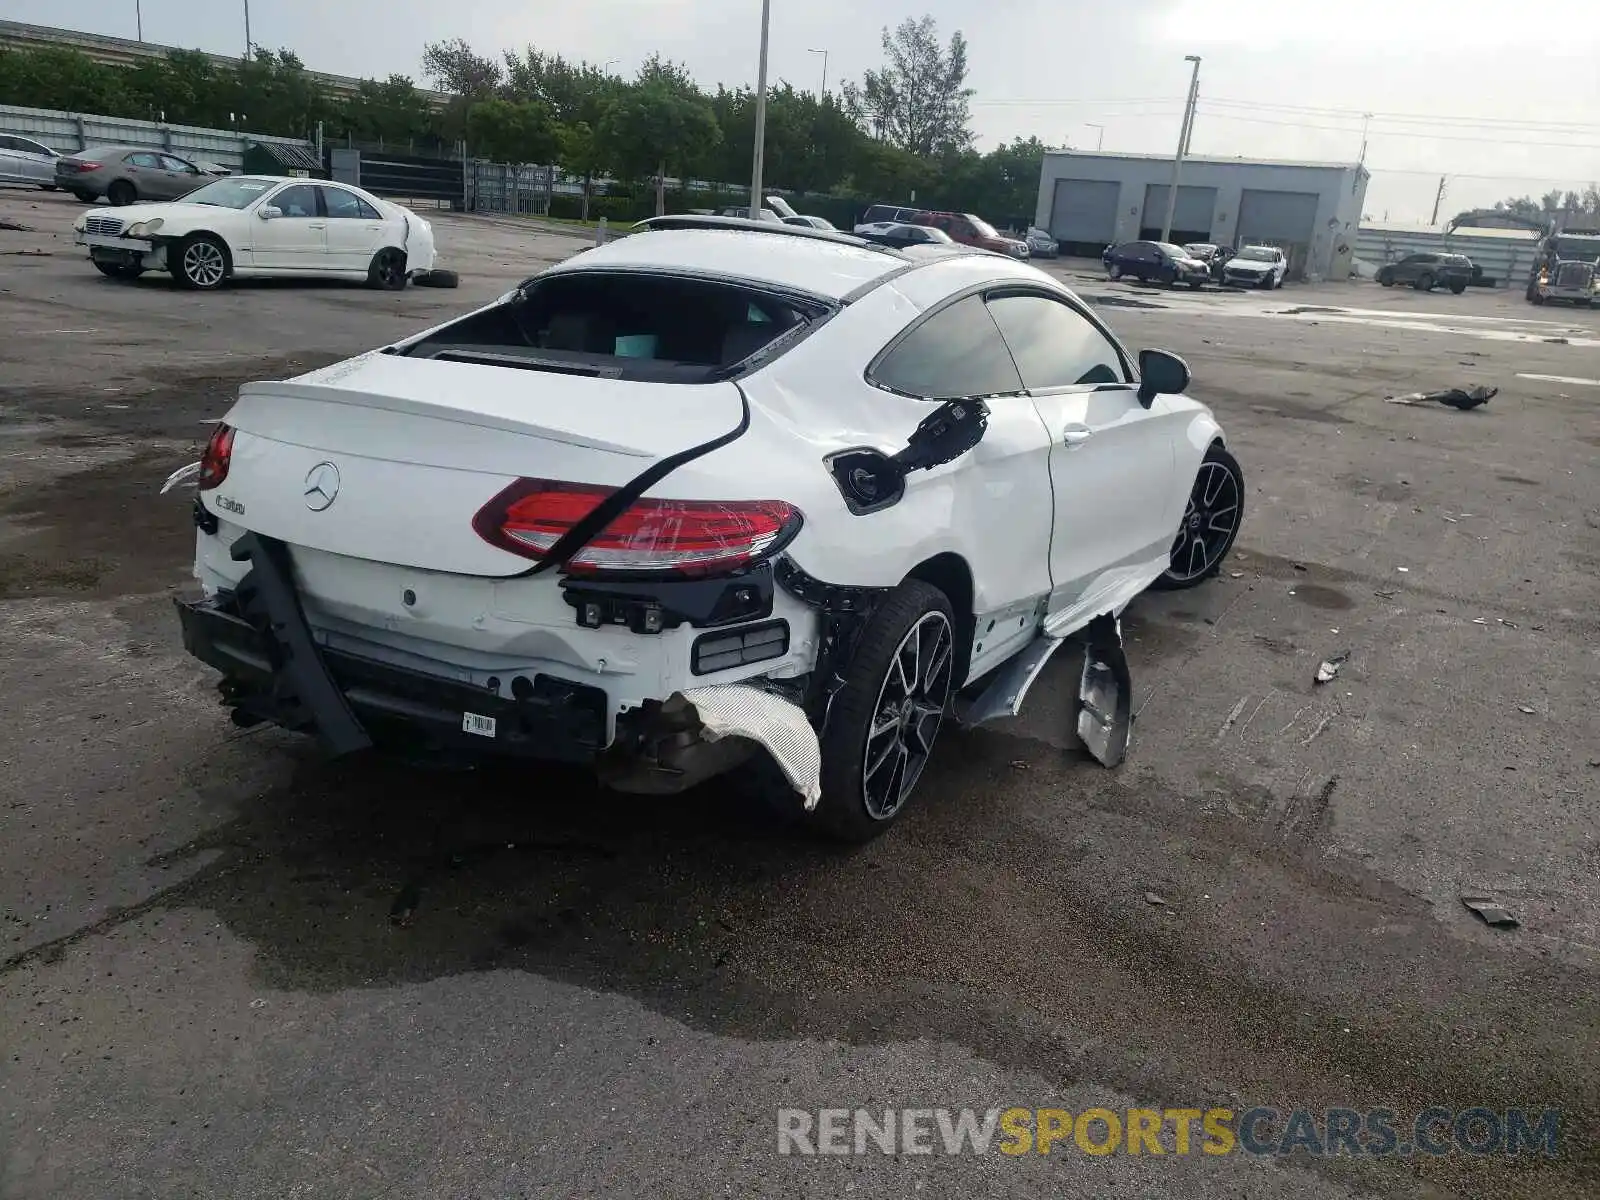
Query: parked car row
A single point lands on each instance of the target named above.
(1196, 264)
(968, 229)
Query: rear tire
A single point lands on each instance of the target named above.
(84, 197)
(1458, 288)
(1211, 521)
(122, 193)
(884, 720)
(47, 187)
(1196, 284)
(388, 270)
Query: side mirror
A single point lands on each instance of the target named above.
(269, 211)
(1161, 374)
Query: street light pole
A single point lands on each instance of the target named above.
(761, 115)
(1183, 144)
(824, 54)
(138, 21)
(1100, 134)
(247, 42)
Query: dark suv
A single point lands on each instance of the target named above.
(1428, 271)
(1155, 262)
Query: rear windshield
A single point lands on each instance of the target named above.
(627, 325)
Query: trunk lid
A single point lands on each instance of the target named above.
(417, 446)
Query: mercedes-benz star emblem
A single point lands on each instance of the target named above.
(322, 486)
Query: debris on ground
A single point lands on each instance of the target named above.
(1386, 593)
(405, 905)
(1557, 341)
(1236, 574)
(1527, 710)
(14, 227)
(1490, 910)
(1462, 398)
(1152, 898)
(1328, 668)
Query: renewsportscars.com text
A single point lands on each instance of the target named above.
(1176, 1131)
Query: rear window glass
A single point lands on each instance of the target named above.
(955, 353)
(627, 325)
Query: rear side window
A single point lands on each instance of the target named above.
(1053, 346)
(144, 160)
(956, 352)
(627, 325)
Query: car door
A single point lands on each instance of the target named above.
(1111, 458)
(180, 177)
(997, 498)
(296, 239)
(355, 229)
(144, 170)
(1408, 268)
(10, 160)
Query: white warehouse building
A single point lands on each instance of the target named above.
(1311, 211)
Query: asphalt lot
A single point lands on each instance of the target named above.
(201, 991)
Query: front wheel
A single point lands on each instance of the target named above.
(1210, 523)
(200, 261)
(1115, 273)
(1458, 288)
(1424, 283)
(883, 721)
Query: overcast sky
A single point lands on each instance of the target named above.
(1503, 99)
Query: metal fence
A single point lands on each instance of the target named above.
(71, 132)
(506, 188)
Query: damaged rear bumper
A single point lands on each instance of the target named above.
(274, 670)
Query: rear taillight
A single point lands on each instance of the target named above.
(79, 165)
(671, 537)
(214, 462)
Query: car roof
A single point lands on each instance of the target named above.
(825, 264)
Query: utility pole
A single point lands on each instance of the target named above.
(1100, 134)
(1365, 118)
(1183, 145)
(247, 42)
(1438, 199)
(138, 21)
(761, 115)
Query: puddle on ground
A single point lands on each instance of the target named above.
(1318, 596)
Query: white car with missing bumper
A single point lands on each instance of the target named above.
(1257, 267)
(715, 491)
(257, 225)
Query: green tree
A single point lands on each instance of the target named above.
(54, 77)
(918, 101)
(390, 111)
(466, 76)
(513, 132)
(653, 128)
(584, 154)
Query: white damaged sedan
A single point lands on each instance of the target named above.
(718, 491)
(260, 225)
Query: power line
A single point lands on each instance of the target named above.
(1412, 118)
(1434, 137)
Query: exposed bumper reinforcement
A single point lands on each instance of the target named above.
(779, 725)
(274, 671)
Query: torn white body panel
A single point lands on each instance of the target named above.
(735, 710)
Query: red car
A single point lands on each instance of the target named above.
(972, 230)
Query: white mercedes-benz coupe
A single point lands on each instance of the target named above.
(263, 225)
(715, 491)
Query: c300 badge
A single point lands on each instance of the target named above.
(230, 504)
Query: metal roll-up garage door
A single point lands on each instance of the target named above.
(1083, 215)
(1286, 220)
(1191, 216)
